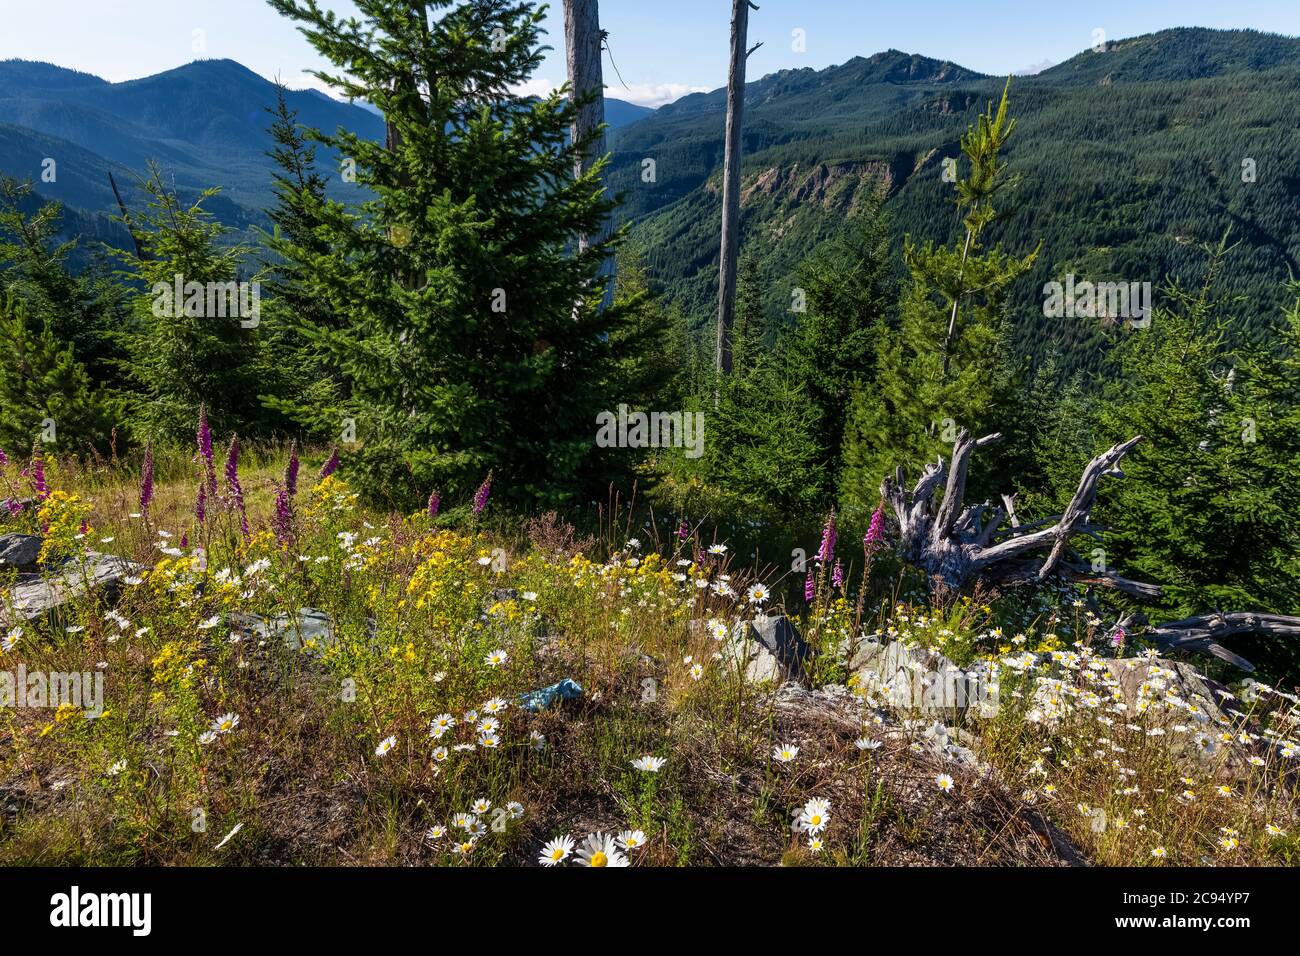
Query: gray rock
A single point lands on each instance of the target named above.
(34, 596)
(768, 649)
(308, 626)
(913, 678)
(1216, 710)
(19, 551)
(832, 703)
(1217, 706)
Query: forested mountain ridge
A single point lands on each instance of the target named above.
(1130, 161)
(205, 123)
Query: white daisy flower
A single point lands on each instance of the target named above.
(815, 815)
(225, 723)
(631, 839)
(600, 849)
(556, 851)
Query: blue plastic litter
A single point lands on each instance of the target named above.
(541, 699)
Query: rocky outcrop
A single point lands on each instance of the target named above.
(920, 680)
(19, 552)
(835, 185)
(35, 595)
(767, 649)
(309, 628)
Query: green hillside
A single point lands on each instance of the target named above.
(1131, 160)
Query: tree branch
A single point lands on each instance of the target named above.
(1076, 513)
(1204, 632)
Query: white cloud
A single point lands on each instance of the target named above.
(651, 94)
(1035, 68)
(643, 94)
(536, 86)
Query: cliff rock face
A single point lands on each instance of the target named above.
(834, 186)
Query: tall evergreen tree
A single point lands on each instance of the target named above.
(946, 366)
(184, 354)
(847, 284)
(758, 448)
(456, 284)
(311, 385)
(650, 345)
(86, 310)
(1207, 508)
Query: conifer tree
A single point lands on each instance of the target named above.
(846, 284)
(312, 386)
(1208, 504)
(45, 392)
(182, 356)
(946, 366)
(455, 284)
(649, 344)
(758, 446)
(86, 310)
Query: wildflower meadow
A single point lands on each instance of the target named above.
(292, 677)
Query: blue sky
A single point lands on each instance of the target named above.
(663, 48)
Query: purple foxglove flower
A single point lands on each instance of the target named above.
(683, 530)
(827, 550)
(481, 496)
(146, 478)
(185, 539)
(233, 487)
(434, 501)
(331, 464)
(4, 459)
(809, 588)
(291, 471)
(204, 438)
(837, 575)
(1118, 637)
(37, 474)
(201, 503)
(282, 521)
(875, 536)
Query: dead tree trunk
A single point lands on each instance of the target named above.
(954, 544)
(583, 38)
(731, 183)
(126, 219)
